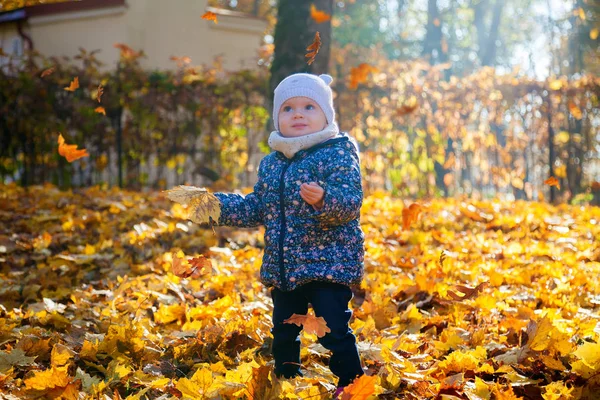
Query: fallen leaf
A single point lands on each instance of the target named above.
(361, 389)
(74, 85)
(313, 49)
(210, 16)
(318, 16)
(410, 214)
(310, 323)
(468, 292)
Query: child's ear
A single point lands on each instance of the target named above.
(326, 78)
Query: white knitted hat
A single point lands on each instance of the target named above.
(305, 85)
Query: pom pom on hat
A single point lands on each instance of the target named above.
(315, 87)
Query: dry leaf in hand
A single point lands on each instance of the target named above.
(203, 205)
(318, 16)
(313, 49)
(69, 151)
(99, 94)
(47, 72)
(410, 215)
(552, 181)
(310, 323)
(74, 85)
(468, 292)
(210, 16)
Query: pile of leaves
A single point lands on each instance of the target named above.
(469, 300)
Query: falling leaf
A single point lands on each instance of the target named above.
(575, 111)
(47, 72)
(310, 323)
(410, 214)
(409, 107)
(468, 292)
(581, 13)
(313, 49)
(359, 74)
(360, 389)
(100, 110)
(99, 94)
(210, 16)
(74, 85)
(318, 16)
(594, 33)
(203, 206)
(69, 151)
(552, 181)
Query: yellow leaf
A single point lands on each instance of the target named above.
(557, 391)
(589, 354)
(198, 386)
(539, 334)
(556, 84)
(594, 33)
(203, 205)
(48, 379)
(160, 383)
(60, 355)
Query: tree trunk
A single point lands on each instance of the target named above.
(486, 40)
(294, 32)
(432, 45)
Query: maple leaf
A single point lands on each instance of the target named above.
(539, 333)
(313, 49)
(74, 85)
(310, 323)
(203, 205)
(48, 379)
(359, 74)
(410, 214)
(360, 389)
(100, 110)
(99, 94)
(552, 181)
(318, 16)
(16, 358)
(47, 72)
(69, 151)
(210, 16)
(468, 292)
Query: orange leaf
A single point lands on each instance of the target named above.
(360, 389)
(410, 106)
(359, 74)
(69, 151)
(318, 16)
(190, 268)
(47, 72)
(74, 85)
(575, 111)
(410, 215)
(100, 93)
(210, 16)
(468, 292)
(126, 51)
(313, 49)
(310, 323)
(595, 185)
(552, 181)
(181, 61)
(48, 379)
(100, 110)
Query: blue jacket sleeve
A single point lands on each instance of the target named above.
(242, 211)
(343, 190)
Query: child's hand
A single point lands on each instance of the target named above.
(313, 194)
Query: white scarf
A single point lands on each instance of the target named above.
(289, 146)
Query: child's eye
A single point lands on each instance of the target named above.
(287, 108)
(310, 107)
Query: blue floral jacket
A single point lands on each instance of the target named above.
(301, 243)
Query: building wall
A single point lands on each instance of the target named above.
(160, 28)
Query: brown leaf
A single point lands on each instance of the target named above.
(100, 93)
(47, 72)
(313, 49)
(468, 292)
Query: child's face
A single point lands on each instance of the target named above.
(299, 116)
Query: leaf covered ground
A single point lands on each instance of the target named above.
(475, 300)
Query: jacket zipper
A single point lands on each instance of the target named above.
(283, 226)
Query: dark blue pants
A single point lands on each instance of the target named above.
(330, 301)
